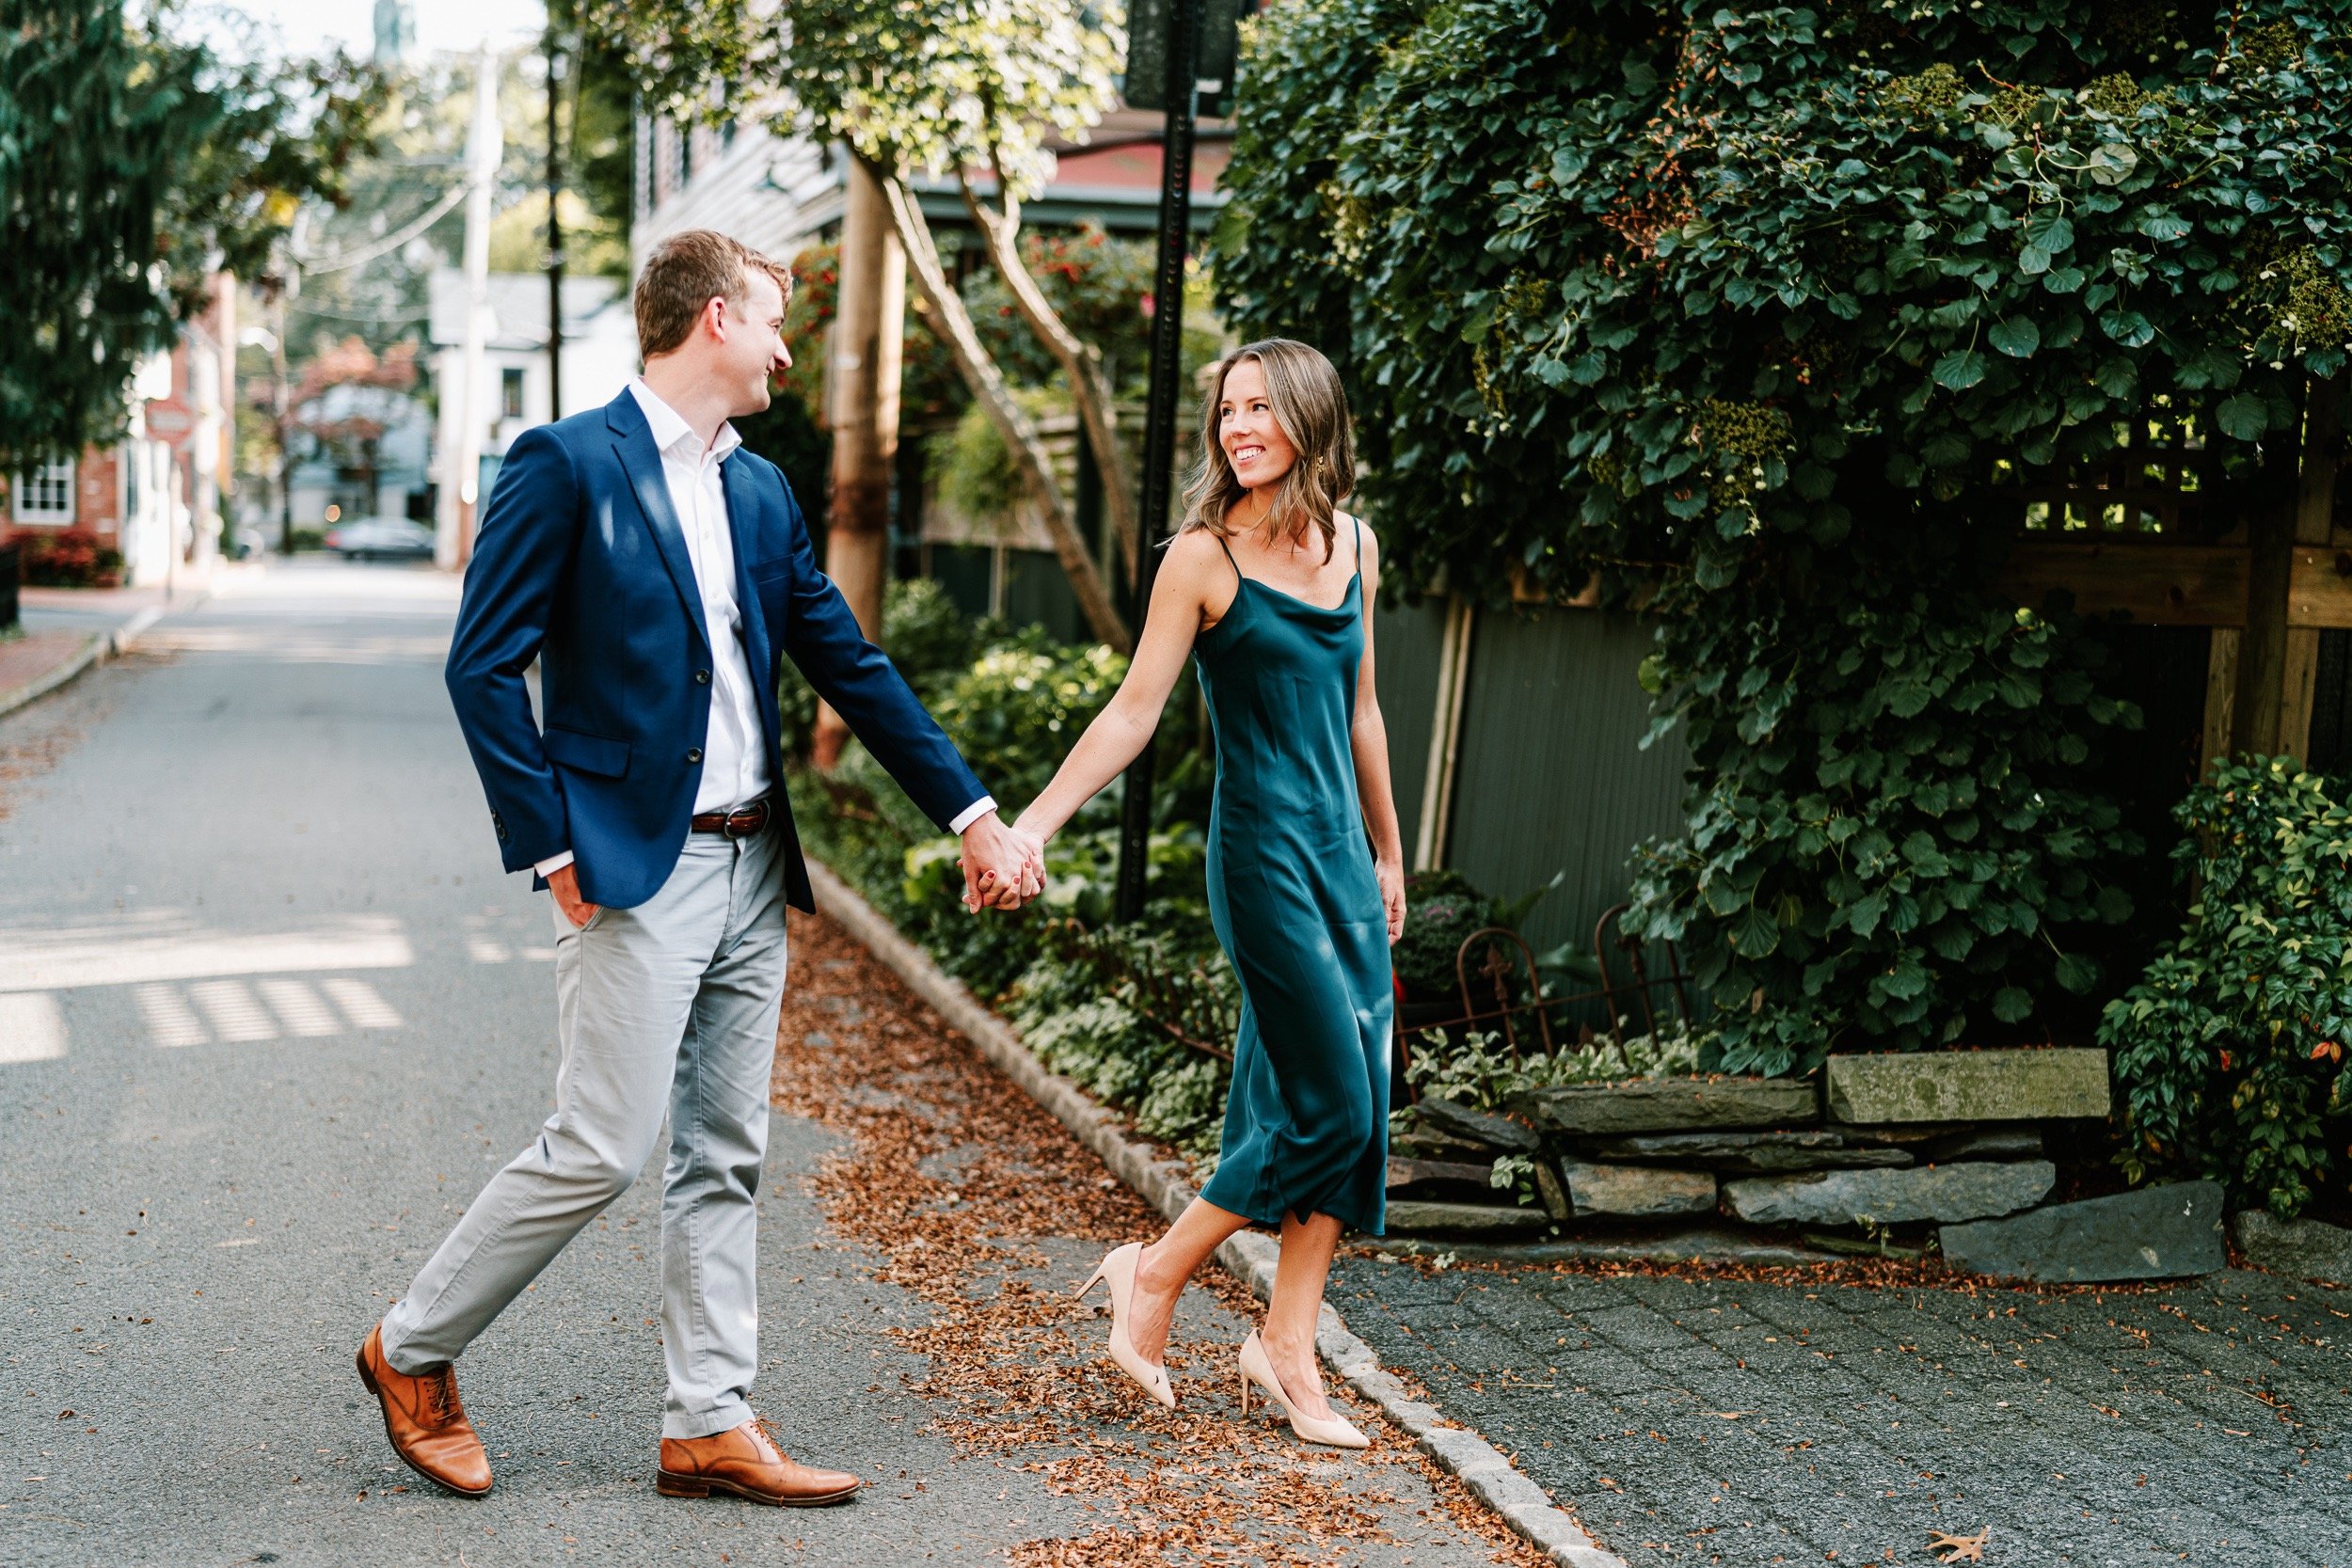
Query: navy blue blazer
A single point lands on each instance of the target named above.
(580, 563)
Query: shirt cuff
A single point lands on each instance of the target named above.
(554, 864)
(972, 813)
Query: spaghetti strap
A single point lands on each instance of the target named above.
(1229, 554)
(1358, 523)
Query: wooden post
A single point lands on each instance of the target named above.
(2221, 697)
(861, 376)
(1445, 735)
(2314, 512)
(2256, 726)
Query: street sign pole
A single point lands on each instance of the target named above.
(555, 229)
(1179, 99)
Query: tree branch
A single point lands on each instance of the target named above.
(1012, 421)
(1080, 361)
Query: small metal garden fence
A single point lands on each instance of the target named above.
(1514, 991)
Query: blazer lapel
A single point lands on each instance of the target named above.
(632, 439)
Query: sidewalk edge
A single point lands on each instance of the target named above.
(1249, 1256)
(96, 648)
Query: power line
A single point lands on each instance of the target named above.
(393, 241)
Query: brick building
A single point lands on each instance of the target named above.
(160, 489)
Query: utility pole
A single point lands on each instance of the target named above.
(453, 537)
(1180, 101)
(280, 411)
(863, 360)
(555, 227)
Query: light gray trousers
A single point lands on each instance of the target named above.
(668, 1005)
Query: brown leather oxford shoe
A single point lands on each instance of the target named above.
(426, 1424)
(747, 1463)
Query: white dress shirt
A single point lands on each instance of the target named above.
(735, 754)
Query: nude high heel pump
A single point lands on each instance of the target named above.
(1119, 1271)
(1335, 1431)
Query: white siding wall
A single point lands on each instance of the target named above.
(773, 195)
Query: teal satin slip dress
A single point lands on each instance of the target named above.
(1297, 908)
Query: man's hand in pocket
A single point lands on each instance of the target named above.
(563, 882)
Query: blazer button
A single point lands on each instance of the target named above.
(702, 677)
(694, 753)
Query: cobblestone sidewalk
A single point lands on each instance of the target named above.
(1728, 1419)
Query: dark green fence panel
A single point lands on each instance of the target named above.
(963, 570)
(1552, 776)
(1407, 642)
(1037, 593)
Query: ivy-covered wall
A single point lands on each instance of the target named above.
(1754, 310)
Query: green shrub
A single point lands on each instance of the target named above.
(1483, 1071)
(1106, 1044)
(970, 465)
(2230, 1051)
(1654, 282)
(989, 950)
(68, 558)
(1768, 315)
(1023, 705)
(926, 637)
(1441, 909)
(1896, 836)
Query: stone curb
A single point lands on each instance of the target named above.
(96, 649)
(1704, 1246)
(1248, 1256)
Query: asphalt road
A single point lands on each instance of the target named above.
(269, 1012)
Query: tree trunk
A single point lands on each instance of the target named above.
(862, 385)
(1080, 361)
(1012, 423)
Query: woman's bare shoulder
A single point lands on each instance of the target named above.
(1195, 549)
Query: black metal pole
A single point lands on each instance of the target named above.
(1159, 433)
(555, 233)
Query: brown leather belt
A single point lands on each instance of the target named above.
(741, 823)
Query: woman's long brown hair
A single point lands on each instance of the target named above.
(1311, 409)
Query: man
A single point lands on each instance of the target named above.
(654, 571)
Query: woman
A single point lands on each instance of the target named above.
(1270, 589)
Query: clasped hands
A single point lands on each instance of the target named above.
(1003, 867)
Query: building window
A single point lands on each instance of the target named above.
(511, 389)
(44, 493)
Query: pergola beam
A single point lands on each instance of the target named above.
(2180, 585)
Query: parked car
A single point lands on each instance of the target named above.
(380, 539)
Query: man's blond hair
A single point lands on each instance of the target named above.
(685, 273)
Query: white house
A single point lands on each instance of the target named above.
(599, 355)
(392, 486)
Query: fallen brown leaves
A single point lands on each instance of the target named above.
(1958, 1549)
(949, 1171)
(40, 734)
